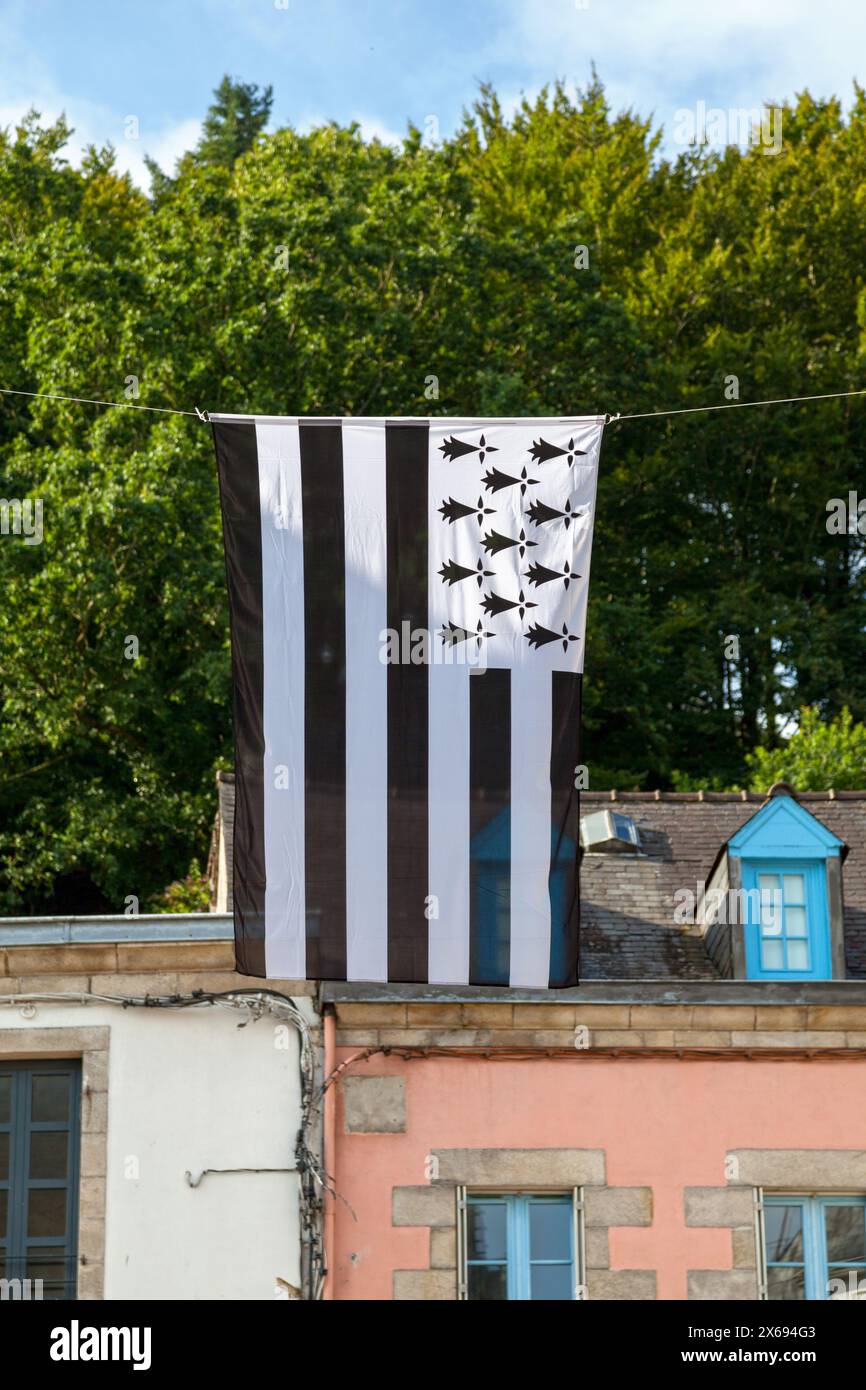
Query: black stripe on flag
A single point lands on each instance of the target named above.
(490, 827)
(406, 505)
(564, 882)
(237, 466)
(321, 448)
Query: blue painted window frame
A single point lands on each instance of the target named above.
(518, 1259)
(817, 1270)
(23, 1255)
(817, 917)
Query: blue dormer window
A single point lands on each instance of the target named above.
(787, 926)
(784, 859)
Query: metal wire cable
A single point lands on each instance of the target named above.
(609, 419)
(734, 405)
(89, 400)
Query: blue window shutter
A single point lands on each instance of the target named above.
(39, 1122)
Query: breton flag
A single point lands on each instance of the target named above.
(408, 609)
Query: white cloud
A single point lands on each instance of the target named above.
(373, 129)
(662, 56)
(656, 56)
(96, 125)
(166, 146)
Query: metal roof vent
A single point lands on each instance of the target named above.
(609, 832)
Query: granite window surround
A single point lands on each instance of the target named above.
(521, 1170)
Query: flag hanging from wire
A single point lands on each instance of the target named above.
(408, 610)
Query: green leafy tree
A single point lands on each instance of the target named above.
(188, 894)
(548, 261)
(819, 755)
(238, 114)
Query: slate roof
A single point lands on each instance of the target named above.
(627, 901)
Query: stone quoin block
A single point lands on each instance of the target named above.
(424, 1285)
(618, 1206)
(443, 1249)
(723, 1284)
(622, 1284)
(423, 1206)
(719, 1206)
(802, 1170)
(521, 1168)
(374, 1104)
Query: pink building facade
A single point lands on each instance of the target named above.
(688, 1123)
(672, 1123)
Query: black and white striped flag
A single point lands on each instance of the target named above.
(408, 605)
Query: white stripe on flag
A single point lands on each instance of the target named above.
(366, 704)
(531, 732)
(448, 724)
(283, 703)
(448, 824)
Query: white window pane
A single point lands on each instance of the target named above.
(794, 888)
(771, 926)
(798, 955)
(771, 915)
(795, 921)
(771, 904)
(772, 955)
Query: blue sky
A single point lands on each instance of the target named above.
(382, 62)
